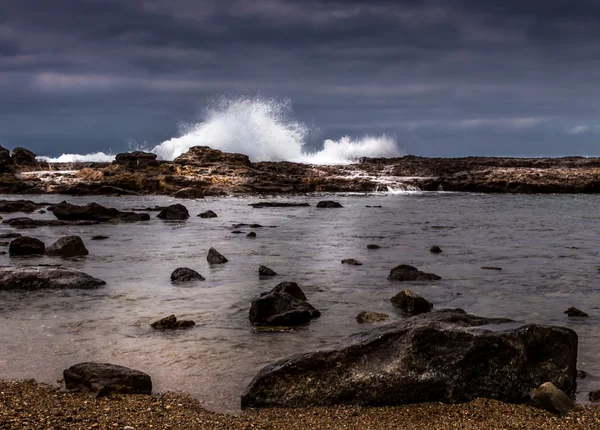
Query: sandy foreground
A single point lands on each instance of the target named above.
(29, 405)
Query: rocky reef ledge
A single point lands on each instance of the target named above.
(205, 171)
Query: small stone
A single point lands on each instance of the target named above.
(491, 268)
(373, 246)
(207, 214)
(99, 237)
(265, 271)
(214, 257)
(371, 317)
(251, 235)
(574, 312)
(171, 323)
(184, 274)
(351, 262)
(237, 232)
(435, 249)
(552, 399)
(411, 303)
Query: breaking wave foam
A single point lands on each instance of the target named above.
(96, 157)
(264, 130)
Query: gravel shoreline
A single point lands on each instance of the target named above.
(29, 405)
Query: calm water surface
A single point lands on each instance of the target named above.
(547, 247)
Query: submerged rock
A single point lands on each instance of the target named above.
(93, 377)
(351, 262)
(208, 214)
(27, 223)
(93, 212)
(278, 205)
(25, 245)
(411, 303)
(171, 323)
(10, 206)
(404, 272)
(491, 268)
(574, 312)
(100, 237)
(371, 317)
(435, 357)
(174, 212)
(280, 308)
(190, 193)
(68, 246)
(265, 271)
(373, 246)
(41, 278)
(435, 249)
(184, 274)
(214, 257)
(550, 398)
(329, 204)
(251, 235)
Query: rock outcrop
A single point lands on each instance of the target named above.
(329, 204)
(351, 262)
(176, 212)
(435, 357)
(23, 157)
(574, 312)
(6, 162)
(10, 206)
(282, 306)
(215, 257)
(265, 271)
(435, 249)
(96, 377)
(203, 156)
(42, 278)
(68, 246)
(24, 245)
(94, 212)
(189, 193)
(411, 303)
(184, 274)
(171, 323)
(404, 272)
(136, 160)
(207, 214)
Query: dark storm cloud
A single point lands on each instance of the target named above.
(446, 77)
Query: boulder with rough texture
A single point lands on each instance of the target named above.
(404, 272)
(184, 274)
(351, 262)
(171, 323)
(136, 159)
(574, 312)
(68, 246)
(23, 157)
(435, 249)
(174, 212)
(215, 257)
(371, 317)
(435, 357)
(10, 206)
(25, 245)
(189, 193)
(411, 303)
(550, 398)
(329, 204)
(94, 212)
(41, 278)
(204, 156)
(207, 214)
(291, 288)
(265, 271)
(284, 305)
(6, 162)
(93, 377)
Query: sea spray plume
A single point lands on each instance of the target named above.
(97, 157)
(347, 150)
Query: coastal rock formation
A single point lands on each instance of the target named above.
(329, 204)
(550, 398)
(280, 308)
(68, 246)
(203, 156)
(265, 271)
(10, 206)
(411, 303)
(136, 160)
(189, 193)
(371, 317)
(41, 278)
(176, 212)
(23, 157)
(214, 257)
(171, 323)
(435, 357)
(93, 212)
(93, 377)
(184, 274)
(6, 162)
(404, 272)
(574, 312)
(207, 214)
(351, 262)
(25, 245)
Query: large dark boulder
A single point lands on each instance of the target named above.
(291, 288)
(404, 272)
(136, 159)
(10, 206)
(176, 212)
(282, 306)
(190, 193)
(93, 212)
(184, 274)
(329, 204)
(436, 357)
(94, 377)
(265, 271)
(215, 257)
(411, 303)
(32, 278)
(68, 246)
(23, 157)
(6, 162)
(25, 245)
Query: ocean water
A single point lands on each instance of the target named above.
(546, 246)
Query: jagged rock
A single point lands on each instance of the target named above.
(404, 272)
(371, 317)
(207, 214)
(279, 308)
(10, 206)
(31, 278)
(171, 323)
(434, 357)
(23, 157)
(329, 204)
(251, 235)
(25, 245)
(278, 205)
(574, 312)
(373, 246)
(189, 193)
(93, 212)
(67, 246)
(174, 212)
(411, 303)
(351, 262)
(183, 274)
(265, 271)
(99, 237)
(291, 288)
(214, 257)
(435, 249)
(204, 156)
(552, 399)
(136, 159)
(93, 377)
(6, 162)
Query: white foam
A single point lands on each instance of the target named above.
(98, 157)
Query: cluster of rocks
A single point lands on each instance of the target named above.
(67, 246)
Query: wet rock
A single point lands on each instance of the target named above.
(278, 308)
(329, 204)
(594, 396)
(93, 377)
(67, 246)
(434, 357)
(25, 245)
(491, 268)
(40, 278)
(574, 312)
(174, 212)
(581, 374)
(291, 288)
(435, 249)
(6, 162)
(26, 223)
(411, 303)
(171, 323)
(251, 235)
(99, 237)
(551, 399)
(351, 262)
(239, 225)
(207, 214)
(204, 156)
(136, 160)
(10, 206)
(404, 272)
(189, 193)
(10, 235)
(265, 271)
(93, 212)
(23, 157)
(371, 317)
(278, 205)
(214, 257)
(373, 246)
(42, 211)
(183, 274)
(237, 232)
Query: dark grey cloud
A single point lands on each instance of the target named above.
(450, 77)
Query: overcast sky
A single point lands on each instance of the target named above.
(447, 77)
